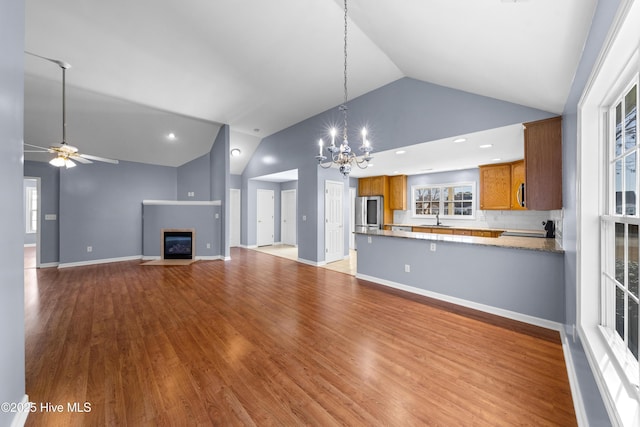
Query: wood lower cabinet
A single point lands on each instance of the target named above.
(398, 192)
(495, 186)
(543, 164)
(458, 231)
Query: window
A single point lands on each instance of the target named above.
(31, 199)
(445, 200)
(619, 230)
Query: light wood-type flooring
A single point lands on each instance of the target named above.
(263, 340)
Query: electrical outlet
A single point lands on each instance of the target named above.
(191, 194)
(208, 245)
(407, 268)
(89, 248)
(217, 216)
(304, 217)
(433, 247)
(369, 239)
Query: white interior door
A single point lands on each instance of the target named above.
(333, 221)
(288, 217)
(234, 220)
(265, 228)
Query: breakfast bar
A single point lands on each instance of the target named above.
(516, 277)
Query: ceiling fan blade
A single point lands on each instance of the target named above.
(80, 158)
(47, 149)
(98, 159)
(60, 63)
(35, 151)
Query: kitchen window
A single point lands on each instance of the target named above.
(619, 232)
(456, 200)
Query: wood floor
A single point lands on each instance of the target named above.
(262, 340)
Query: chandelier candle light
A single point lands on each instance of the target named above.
(342, 155)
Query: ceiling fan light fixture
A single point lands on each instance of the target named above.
(57, 162)
(69, 163)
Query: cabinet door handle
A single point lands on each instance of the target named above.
(520, 192)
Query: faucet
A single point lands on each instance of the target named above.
(437, 219)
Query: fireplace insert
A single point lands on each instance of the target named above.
(178, 245)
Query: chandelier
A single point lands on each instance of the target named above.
(341, 155)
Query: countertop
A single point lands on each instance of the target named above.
(515, 242)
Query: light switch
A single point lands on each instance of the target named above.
(50, 217)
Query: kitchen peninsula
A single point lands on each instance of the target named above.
(516, 277)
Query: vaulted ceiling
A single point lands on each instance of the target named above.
(146, 68)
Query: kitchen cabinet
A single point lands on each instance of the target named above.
(462, 232)
(398, 192)
(543, 164)
(373, 186)
(421, 230)
(495, 186)
(458, 231)
(518, 186)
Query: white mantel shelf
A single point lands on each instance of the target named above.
(182, 202)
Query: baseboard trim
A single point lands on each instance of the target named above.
(576, 394)
(20, 418)
(313, 263)
(48, 265)
(532, 320)
(98, 261)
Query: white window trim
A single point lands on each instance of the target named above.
(617, 63)
(474, 202)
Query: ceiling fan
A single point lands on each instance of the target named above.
(65, 154)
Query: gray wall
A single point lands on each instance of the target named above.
(520, 280)
(401, 113)
(29, 238)
(194, 176)
(220, 180)
(49, 204)
(235, 181)
(100, 206)
(201, 218)
(12, 358)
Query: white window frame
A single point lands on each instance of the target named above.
(609, 284)
(31, 210)
(441, 203)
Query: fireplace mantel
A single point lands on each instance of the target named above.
(182, 202)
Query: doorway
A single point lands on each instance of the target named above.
(31, 215)
(333, 221)
(288, 224)
(265, 214)
(234, 217)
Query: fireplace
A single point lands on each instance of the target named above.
(178, 243)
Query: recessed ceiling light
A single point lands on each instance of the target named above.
(426, 170)
(486, 146)
(235, 152)
(460, 140)
(496, 160)
(396, 172)
(171, 136)
(400, 152)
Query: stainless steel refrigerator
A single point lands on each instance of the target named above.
(369, 212)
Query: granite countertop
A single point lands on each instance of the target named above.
(515, 242)
(465, 227)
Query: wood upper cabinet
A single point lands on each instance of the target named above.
(372, 186)
(518, 187)
(495, 186)
(398, 192)
(543, 164)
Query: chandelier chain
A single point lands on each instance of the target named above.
(344, 105)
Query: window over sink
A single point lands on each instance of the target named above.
(456, 200)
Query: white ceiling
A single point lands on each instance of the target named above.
(262, 66)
